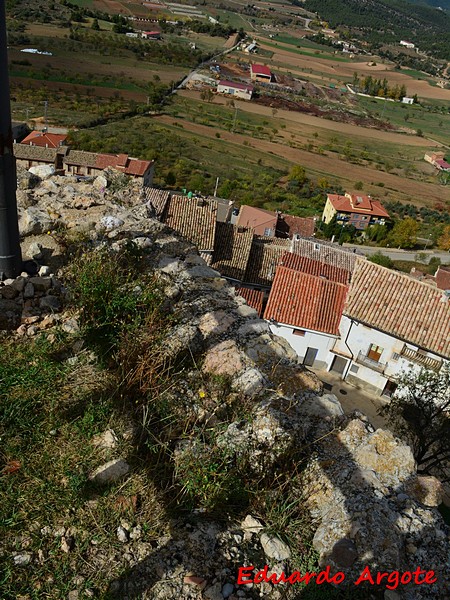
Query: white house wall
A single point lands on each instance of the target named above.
(312, 339)
(359, 338)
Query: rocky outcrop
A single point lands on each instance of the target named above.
(368, 506)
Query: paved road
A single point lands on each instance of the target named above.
(396, 254)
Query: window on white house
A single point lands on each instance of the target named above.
(299, 332)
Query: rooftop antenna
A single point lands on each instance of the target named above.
(10, 253)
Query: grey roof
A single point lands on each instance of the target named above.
(326, 252)
(25, 152)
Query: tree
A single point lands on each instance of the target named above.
(419, 413)
(444, 240)
(95, 26)
(404, 233)
(381, 259)
(297, 173)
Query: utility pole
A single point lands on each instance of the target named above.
(10, 253)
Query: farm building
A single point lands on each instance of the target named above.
(260, 73)
(407, 100)
(151, 35)
(239, 90)
(406, 44)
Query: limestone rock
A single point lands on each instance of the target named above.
(22, 560)
(224, 358)
(251, 525)
(35, 221)
(110, 471)
(326, 405)
(426, 489)
(274, 548)
(42, 171)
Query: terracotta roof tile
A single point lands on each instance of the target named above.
(306, 301)
(359, 204)
(400, 306)
(264, 257)
(327, 253)
(315, 267)
(156, 200)
(232, 246)
(443, 278)
(288, 226)
(45, 140)
(194, 219)
(254, 298)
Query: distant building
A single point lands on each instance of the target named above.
(239, 90)
(437, 159)
(356, 210)
(251, 48)
(78, 162)
(151, 35)
(260, 73)
(44, 140)
(407, 100)
(407, 44)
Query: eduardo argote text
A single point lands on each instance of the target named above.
(391, 580)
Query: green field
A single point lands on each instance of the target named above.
(433, 119)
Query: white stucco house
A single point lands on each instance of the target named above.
(388, 324)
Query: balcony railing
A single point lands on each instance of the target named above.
(421, 359)
(375, 365)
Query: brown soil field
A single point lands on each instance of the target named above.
(298, 120)
(346, 69)
(413, 191)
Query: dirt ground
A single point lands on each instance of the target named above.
(414, 191)
(297, 120)
(346, 69)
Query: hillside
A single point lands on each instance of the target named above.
(389, 21)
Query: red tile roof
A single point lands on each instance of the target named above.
(315, 267)
(261, 70)
(129, 166)
(254, 298)
(443, 278)
(400, 306)
(288, 226)
(306, 301)
(238, 86)
(194, 219)
(45, 140)
(353, 203)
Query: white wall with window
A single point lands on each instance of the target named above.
(373, 359)
(312, 347)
